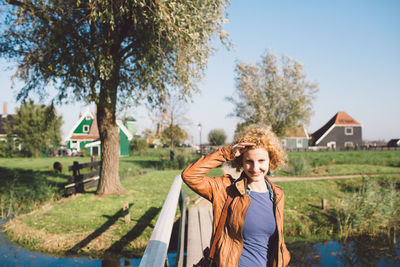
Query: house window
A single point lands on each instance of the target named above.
(85, 128)
(299, 142)
(348, 131)
(74, 142)
(348, 144)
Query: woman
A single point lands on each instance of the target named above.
(253, 232)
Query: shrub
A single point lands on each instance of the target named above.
(217, 137)
(299, 166)
(138, 145)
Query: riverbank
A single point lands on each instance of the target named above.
(92, 225)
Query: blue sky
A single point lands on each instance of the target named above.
(350, 48)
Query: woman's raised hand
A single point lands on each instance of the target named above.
(240, 148)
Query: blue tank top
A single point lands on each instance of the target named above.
(259, 226)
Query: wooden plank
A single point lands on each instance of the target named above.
(80, 177)
(85, 165)
(156, 250)
(194, 247)
(91, 184)
(205, 226)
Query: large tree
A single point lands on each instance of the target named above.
(110, 53)
(37, 128)
(272, 92)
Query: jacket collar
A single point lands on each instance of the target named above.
(241, 186)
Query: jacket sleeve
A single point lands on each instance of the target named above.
(195, 174)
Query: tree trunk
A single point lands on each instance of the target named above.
(109, 136)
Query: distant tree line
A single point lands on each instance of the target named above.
(35, 130)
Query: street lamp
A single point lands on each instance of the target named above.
(201, 149)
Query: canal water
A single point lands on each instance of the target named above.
(354, 253)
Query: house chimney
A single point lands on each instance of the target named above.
(4, 110)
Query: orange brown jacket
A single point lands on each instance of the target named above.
(230, 245)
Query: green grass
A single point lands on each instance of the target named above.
(305, 220)
(27, 183)
(341, 163)
(369, 157)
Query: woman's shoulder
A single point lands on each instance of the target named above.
(225, 180)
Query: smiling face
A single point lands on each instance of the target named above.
(256, 164)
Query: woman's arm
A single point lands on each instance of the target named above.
(195, 174)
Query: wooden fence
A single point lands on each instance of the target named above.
(79, 182)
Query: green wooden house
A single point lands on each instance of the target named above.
(296, 139)
(84, 136)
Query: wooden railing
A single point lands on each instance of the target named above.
(155, 254)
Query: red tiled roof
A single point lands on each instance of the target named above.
(343, 118)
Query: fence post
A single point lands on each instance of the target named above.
(125, 208)
(92, 158)
(324, 203)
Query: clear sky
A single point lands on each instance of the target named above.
(350, 48)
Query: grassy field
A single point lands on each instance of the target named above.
(369, 205)
(89, 224)
(341, 163)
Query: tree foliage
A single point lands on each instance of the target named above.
(173, 136)
(273, 93)
(217, 137)
(8, 146)
(37, 128)
(110, 53)
(138, 145)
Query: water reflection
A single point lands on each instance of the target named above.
(357, 252)
(379, 252)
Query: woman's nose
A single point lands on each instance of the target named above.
(255, 166)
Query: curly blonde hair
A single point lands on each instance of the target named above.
(263, 137)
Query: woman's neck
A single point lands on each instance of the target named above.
(257, 186)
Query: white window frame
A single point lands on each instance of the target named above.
(331, 145)
(351, 132)
(75, 144)
(284, 143)
(348, 144)
(299, 142)
(86, 128)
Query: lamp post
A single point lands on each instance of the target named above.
(201, 149)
